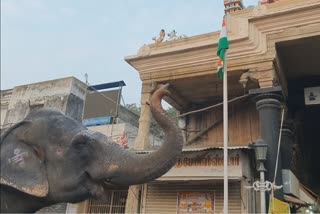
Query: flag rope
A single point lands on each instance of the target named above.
(274, 187)
(279, 144)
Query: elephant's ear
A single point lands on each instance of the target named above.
(21, 165)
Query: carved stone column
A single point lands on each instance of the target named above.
(264, 75)
(287, 141)
(143, 141)
(132, 203)
(268, 104)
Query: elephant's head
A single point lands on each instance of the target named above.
(53, 158)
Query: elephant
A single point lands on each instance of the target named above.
(50, 158)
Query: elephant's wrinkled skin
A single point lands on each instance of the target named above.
(50, 158)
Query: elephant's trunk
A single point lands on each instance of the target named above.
(130, 168)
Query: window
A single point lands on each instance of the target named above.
(115, 203)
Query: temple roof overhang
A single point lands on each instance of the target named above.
(255, 34)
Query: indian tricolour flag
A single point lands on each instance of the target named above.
(222, 47)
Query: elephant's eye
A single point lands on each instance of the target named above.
(81, 140)
(82, 149)
(81, 144)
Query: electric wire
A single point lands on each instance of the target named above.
(213, 106)
(279, 143)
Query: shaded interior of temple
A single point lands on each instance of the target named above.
(301, 66)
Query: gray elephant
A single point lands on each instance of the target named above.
(50, 158)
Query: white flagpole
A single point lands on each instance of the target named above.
(225, 134)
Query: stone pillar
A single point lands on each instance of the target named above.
(143, 139)
(269, 107)
(132, 204)
(287, 146)
(142, 142)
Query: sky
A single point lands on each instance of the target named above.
(51, 39)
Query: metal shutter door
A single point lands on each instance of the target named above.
(162, 198)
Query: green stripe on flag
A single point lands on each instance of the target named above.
(222, 47)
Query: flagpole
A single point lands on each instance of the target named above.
(225, 135)
(223, 74)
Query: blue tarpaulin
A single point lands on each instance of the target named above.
(106, 85)
(97, 121)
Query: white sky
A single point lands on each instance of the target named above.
(51, 39)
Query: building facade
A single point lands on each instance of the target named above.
(66, 95)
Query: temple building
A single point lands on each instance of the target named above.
(273, 73)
